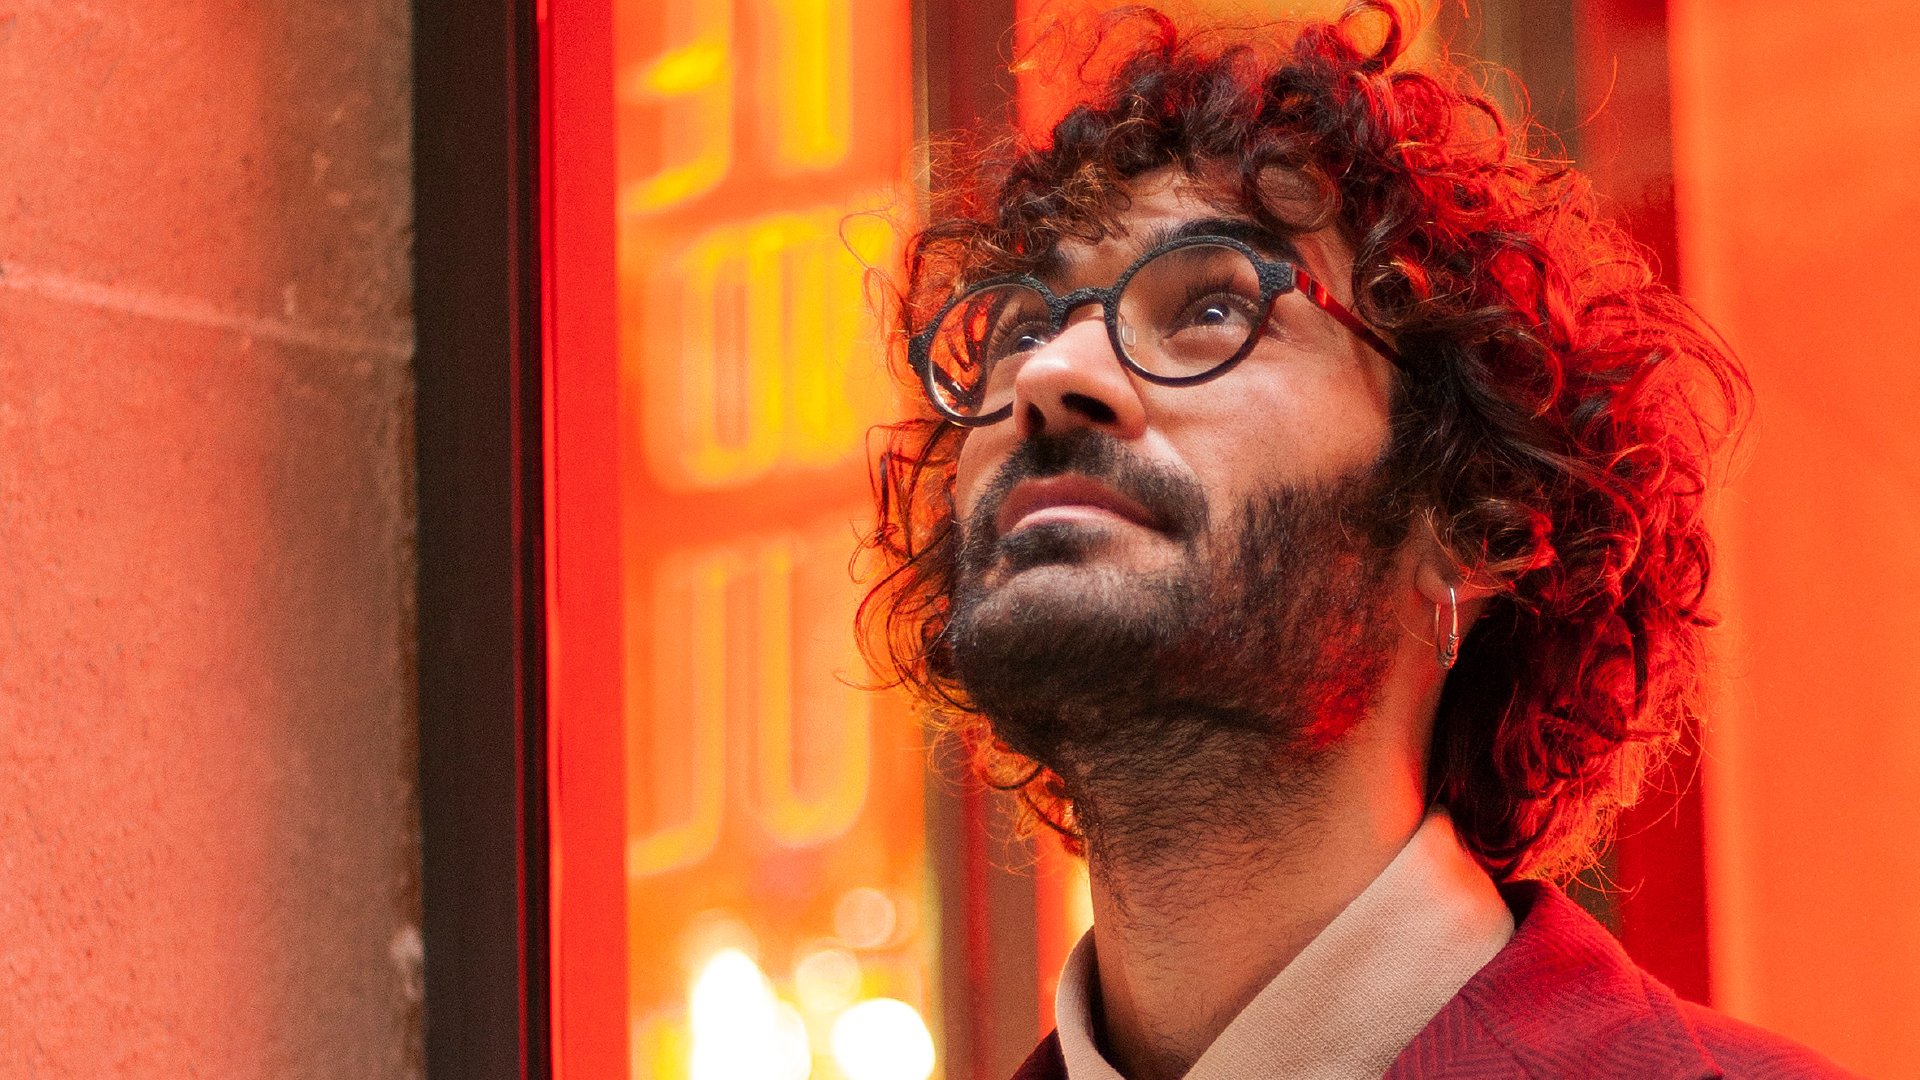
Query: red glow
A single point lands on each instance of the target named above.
(1784, 122)
(711, 374)
(586, 789)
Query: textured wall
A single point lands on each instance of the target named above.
(1798, 215)
(208, 861)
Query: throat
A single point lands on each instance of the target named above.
(1174, 794)
(1210, 878)
(1195, 853)
(1191, 921)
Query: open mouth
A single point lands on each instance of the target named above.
(1069, 497)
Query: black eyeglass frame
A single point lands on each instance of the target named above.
(1277, 278)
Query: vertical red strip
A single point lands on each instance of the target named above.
(589, 1005)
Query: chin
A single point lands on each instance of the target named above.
(1064, 635)
(1078, 548)
(1060, 598)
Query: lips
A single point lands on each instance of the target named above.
(1072, 494)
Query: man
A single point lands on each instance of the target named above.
(1306, 524)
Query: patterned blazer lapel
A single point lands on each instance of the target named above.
(1561, 1000)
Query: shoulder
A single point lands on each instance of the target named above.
(1745, 1052)
(1563, 999)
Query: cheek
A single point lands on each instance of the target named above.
(1353, 428)
(1298, 427)
(981, 453)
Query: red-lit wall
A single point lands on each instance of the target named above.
(208, 863)
(1798, 214)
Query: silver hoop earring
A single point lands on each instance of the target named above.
(1448, 651)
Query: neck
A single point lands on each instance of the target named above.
(1203, 890)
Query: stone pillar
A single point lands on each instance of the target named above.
(208, 830)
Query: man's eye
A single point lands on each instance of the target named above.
(1017, 340)
(1216, 311)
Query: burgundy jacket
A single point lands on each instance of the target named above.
(1562, 1000)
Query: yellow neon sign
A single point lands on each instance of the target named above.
(772, 354)
(801, 719)
(814, 100)
(692, 85)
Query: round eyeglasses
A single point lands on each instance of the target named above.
(1185, 312)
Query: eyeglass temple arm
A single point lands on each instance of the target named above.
(1323, 299)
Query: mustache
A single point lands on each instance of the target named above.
(1176, 501)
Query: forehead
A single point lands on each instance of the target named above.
(1159, 205)
(1158, 202)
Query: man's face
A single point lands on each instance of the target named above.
(1125, 542)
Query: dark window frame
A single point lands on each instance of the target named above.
(481, 591)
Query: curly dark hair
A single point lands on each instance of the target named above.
(1564, 412)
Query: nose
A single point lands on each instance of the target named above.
(1075, 381)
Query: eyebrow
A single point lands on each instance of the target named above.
(1051, 266)
(1254, 236)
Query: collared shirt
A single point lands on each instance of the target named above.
(1357, 994)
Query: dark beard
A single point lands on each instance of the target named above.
(1187, 696)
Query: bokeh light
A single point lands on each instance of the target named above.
(741, 1030)
(827, 980)
(865, 918)
(882, 1039)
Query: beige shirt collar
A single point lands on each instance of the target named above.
(1357, 994)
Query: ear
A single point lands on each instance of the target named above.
(1437, 572)
(1436, 575)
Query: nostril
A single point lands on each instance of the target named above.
(1036, 420)
(1092, 408)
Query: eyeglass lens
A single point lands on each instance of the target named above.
(1181, 314)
